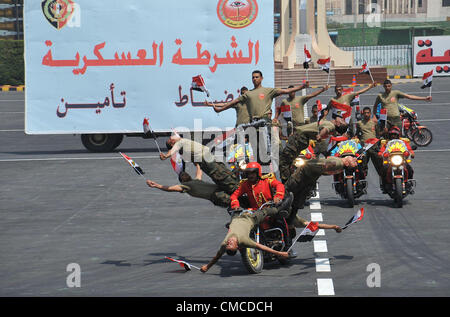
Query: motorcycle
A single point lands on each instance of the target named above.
(272, 232)
(397, 181)
(239, 157)
(351, 183)
(412, 129)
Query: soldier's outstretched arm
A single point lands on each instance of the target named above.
(317, 92)
(216, 258)
(366, 89)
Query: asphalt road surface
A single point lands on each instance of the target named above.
(60, 204)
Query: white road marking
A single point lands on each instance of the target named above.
(321, 232)
(316, 216)
(323, 265)
(315, 205)
(443, 150)
(325, 287)
(12, 130)
(320, 246)
(76, 159)
(432, 120)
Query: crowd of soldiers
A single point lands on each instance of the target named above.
(254, 189)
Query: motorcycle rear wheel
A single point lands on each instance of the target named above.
(349, 189)
(422, 137)
(398, 198)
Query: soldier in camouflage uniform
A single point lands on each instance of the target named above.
(198, 153)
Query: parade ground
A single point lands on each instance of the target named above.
(61, 205)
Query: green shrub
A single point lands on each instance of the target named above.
(12, 71)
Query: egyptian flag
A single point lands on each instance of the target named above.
(342, 110)
(133, 164)
(183, 264)
(367, 145)
(364, 69)
(324, 64)
(383, 117)
(177, 163)
(146, 125)
(334, 140)
(199, 84)
(320, 110)
(427, 79)
(308, 233)
(307, 58)
(356, 218)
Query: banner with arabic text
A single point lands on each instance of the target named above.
(102, 66)
(431, 53)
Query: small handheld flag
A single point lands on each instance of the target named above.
(187, 266)
(334, 140)
(133, 164)
(307, 234)
(177, 163)
(320, 110)
(427, 79)
(324, 64)
(198, 84)
(367, 145)
(365, 70)
(356, 218)
(148, 131)
(383, 118)
(307, 58)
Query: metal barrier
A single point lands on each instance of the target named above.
(390, 55)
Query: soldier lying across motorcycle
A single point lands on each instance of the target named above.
(259, 190)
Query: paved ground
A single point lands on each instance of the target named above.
(60, 204)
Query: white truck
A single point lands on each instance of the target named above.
(97, 68)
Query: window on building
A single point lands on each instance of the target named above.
(419, 3)
(348, 7)
(446, 3)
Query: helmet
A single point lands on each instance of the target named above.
(254, 167)
(394, 130)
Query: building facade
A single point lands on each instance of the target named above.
(351, 11)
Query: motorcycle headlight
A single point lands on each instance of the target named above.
(397, 160)
(299, 162)
(242, 165)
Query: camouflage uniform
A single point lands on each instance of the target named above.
(304, 179)
(200, 189)
(298, 142)
(217, 171)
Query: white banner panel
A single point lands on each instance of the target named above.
(431, 53)
(102, 66)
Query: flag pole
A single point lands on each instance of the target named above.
(154, 137)
(329, 69)
(370, 73)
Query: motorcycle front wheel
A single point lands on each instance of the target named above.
(253, 260)
(422, 137)
(398, 198)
